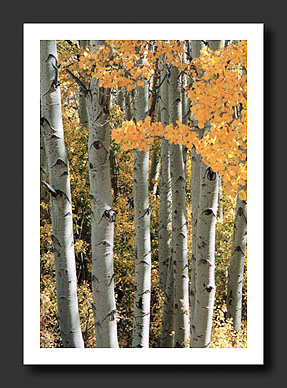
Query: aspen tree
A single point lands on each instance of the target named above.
(168, 315)
(166, 271)
(102, 213)
(236, 268)
(179, 223)
(196, 46)
(83, 114)
(205, 253)
(154, 171)
(59, 188)
(165, 188)
(142, 285)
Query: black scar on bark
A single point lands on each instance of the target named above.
(97, 144)
(110, 215)
(60, 162)
(139, 304)
(211, 175)
(238, 249)
(207, 212)
(240, 211)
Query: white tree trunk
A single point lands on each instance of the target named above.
(236, 268)
(168, 317)
(195, 193)
(61, 207)
(179, 224)
(102, 214)
(205, 248)
(164, 190)
(205, 260)
(154, 171)
(43, 169)
(220, 214)
(142, 233)
(83, 114)
(196, 46)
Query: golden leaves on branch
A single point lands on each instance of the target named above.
(218, 96)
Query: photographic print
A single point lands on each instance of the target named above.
(144, 184)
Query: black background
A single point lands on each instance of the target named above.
(272, 14)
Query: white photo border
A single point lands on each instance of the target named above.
(33, 33)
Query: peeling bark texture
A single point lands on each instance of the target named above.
(179, 222)
(236, 268)
(59, 187)
(142, 285)
(43, 170)
(102, 234)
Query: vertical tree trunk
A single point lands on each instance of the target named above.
(205, 260)
(168, 317)
(129, 105)
(195, 193)
(43, 169)
(185, 104)
(142, 233)
(179, 224)
(103, 215)
(195, 46)
(114, 172)
(220, 214)
(83, 114)
(236, 268)
(61, 207)
(154, 171)
(205, 255)
(120, 98)
(166, 270)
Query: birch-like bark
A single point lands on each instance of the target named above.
(220, 214)
(154, 171)
(195, 193)
(179, 224)
(102, 213)
(185, 103)
(142, 285)
(205, 255)
(236, 268)
(129, 105)
(61, 207)
(43, 169)
(205, 261)
(83, 114)
(166, 271)
(168, 316)
(165, 188)
(196, 46)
